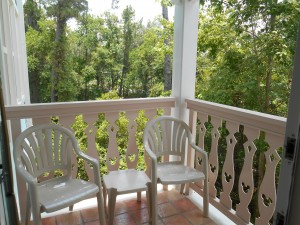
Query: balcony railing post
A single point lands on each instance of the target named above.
(184, 54)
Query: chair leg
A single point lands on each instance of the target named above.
(182, 188)
(35, 207)
(101, 208)
(205, 198)
(112, 195)
(165, 187)
(139, 196)
(187, 189)
(148, 196)
(36, 216)
(152, 193)
(28, 209)
(71, 207)
(150, 203)
(105, 199)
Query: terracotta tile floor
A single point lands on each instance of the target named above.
(173, 209)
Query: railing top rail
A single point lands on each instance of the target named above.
(263, 121)
(87, 107)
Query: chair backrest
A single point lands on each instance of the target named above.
(42, 149)
(166, 135)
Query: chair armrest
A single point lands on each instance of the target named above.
(198, 149)
(25, 175)
(81, 154)
(152, 156)
(95, 164)
(153, 165)
(150, 153)
(89, 159)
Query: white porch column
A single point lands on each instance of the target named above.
(13, 59)
(185, 54)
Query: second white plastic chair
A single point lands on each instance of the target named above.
(164, 136)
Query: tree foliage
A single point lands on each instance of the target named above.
(246, 52)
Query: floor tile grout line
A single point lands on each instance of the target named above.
(180, 211)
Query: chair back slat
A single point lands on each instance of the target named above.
(44, 149)
(167, 136)
(48, 147)
(56, 149)
(33, 149)
(27, 157)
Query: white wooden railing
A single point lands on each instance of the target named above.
(66, 113)
(207, 119)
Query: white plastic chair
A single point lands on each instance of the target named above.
(43, 149)
(165, 136)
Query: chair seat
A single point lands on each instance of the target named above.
(126, 181)
(52, 199)
(176, 173)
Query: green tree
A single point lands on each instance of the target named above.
(62, 11)
(32, 14)
(167, 60)
(107, 59)
(129, 29)
(262, 29)
(39, 44)
(147, 63)
(84, 41)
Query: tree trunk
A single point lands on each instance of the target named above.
(123, 75)
(270, 66)
(58, 57)
(35, 92)
(167, 61)
(31, 15)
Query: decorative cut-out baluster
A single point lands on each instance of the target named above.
(132, 149)
(91, 132)
(113, 156)
(213, 161)
(228, 168)
(267, 190)
(150, 114)
(246, 183)
(203, 118)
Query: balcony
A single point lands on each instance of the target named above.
(236, 140)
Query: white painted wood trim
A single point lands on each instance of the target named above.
(86, 107)
(245, 117)
(184, 54)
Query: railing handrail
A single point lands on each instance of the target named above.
(40, 110)
(263, 121)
